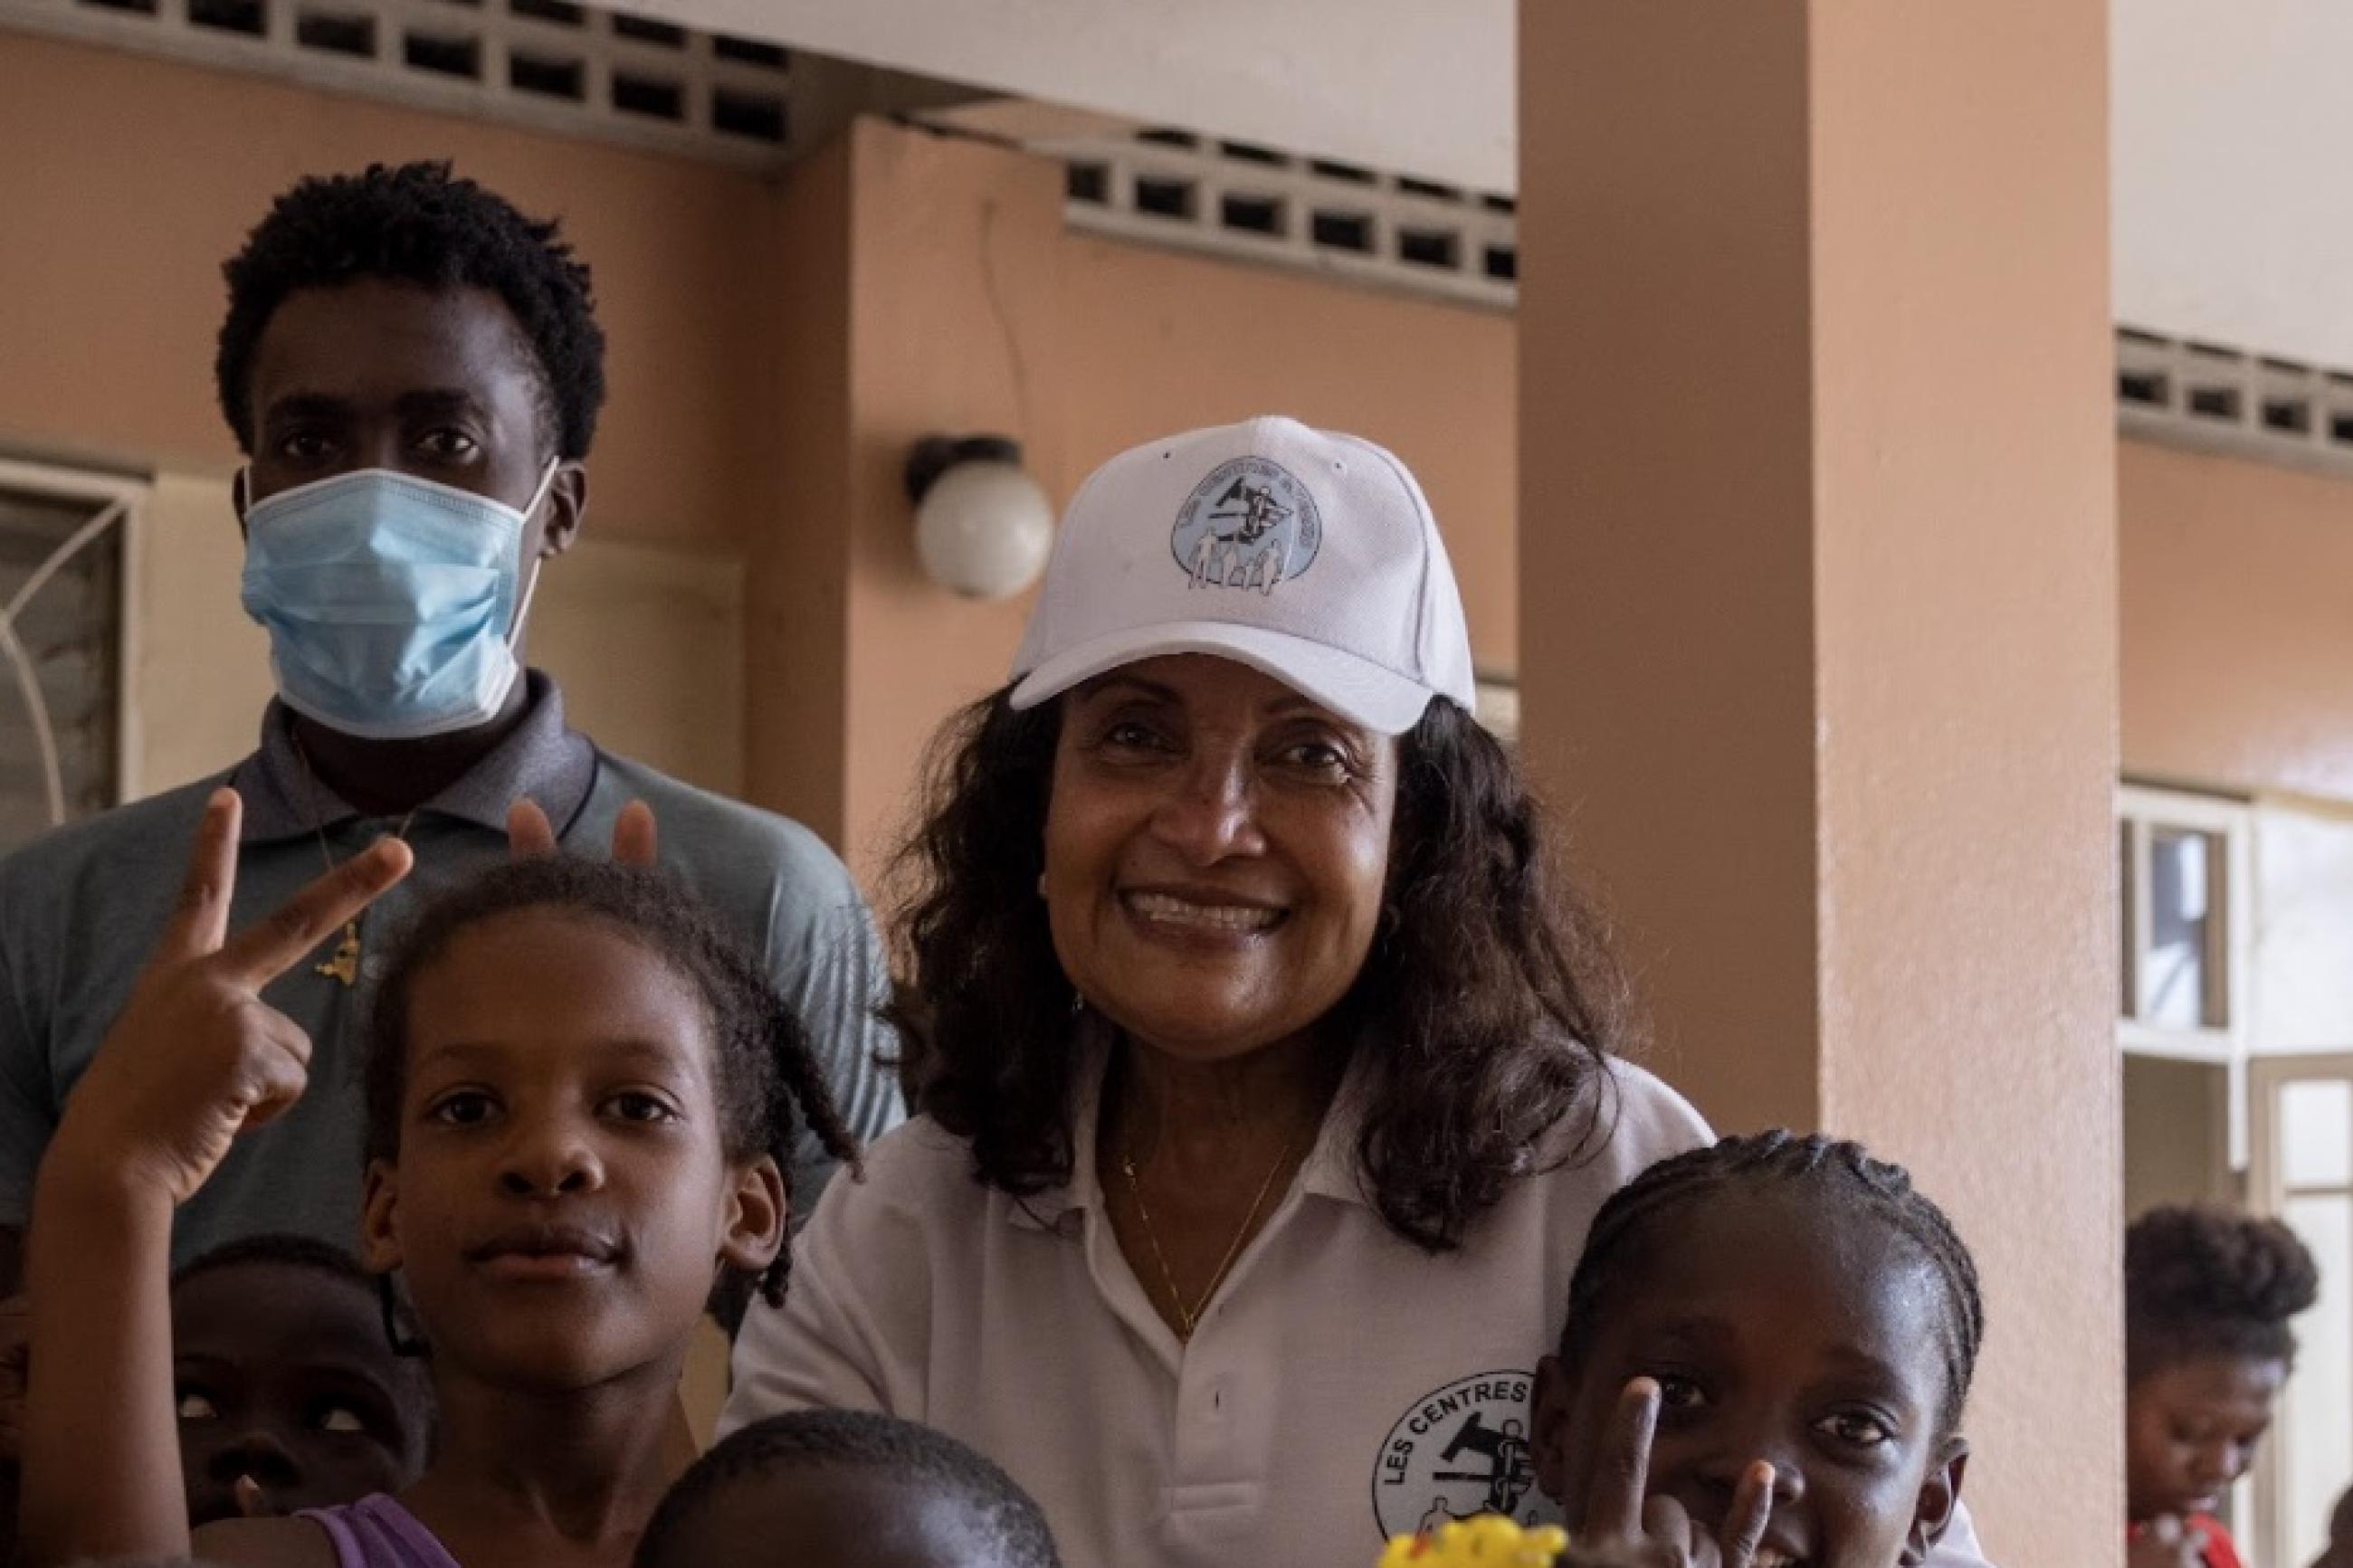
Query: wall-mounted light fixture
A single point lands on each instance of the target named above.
(983, 527)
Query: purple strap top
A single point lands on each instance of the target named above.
(378, 1533)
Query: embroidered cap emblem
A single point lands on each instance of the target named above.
(1250, 524)
(1461, 1450)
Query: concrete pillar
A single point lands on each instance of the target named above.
(797, 584)
(1819, 616)
(919, 282)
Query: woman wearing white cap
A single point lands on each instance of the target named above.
(1266, 1068)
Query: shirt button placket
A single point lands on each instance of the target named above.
(1203, 1401)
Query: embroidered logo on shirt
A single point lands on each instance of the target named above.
(1461, 1451)
(1250, 524)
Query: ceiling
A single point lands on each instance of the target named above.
(2233, 211)
(2231, 119)
(1419, 87)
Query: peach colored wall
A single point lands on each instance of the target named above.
(1719, 709)
(2238, 645)
(126, 180)
(1969, 681)
(954, 254)
(796, 608)
(1835, 696)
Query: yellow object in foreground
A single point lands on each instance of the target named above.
(1490, 1541)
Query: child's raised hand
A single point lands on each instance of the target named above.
(196, 1057)
(1655, 1530)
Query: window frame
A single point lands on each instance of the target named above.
(2143, 810)
(121, 497)
(2264, 1489)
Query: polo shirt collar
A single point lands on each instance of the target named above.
(1090, 1041)
(1330, 1171)
(542, 758)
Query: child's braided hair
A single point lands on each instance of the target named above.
(1844, 1175)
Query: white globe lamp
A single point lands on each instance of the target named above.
(983, 526)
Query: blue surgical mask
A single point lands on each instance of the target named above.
(391, 603)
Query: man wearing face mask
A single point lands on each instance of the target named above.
(413, 371)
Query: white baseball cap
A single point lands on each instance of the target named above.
(1306, 555)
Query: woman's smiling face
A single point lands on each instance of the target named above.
(1216, 850)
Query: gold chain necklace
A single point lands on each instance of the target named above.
(345, 965)
(1187, 1321)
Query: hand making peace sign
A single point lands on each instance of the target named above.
(196, 1057)
(1655, 1532)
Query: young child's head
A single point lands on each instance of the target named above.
(286, 1379)
(1797, 1303)
(2208, 1295)
(580, 1097)
(845, 1489)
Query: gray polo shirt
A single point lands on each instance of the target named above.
(81, 907)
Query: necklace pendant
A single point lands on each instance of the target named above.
(345, 965)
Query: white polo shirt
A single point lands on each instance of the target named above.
(1343, 1385)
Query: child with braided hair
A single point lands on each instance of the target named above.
(1769, 1347)
(580, 1097)
(2208, 1297)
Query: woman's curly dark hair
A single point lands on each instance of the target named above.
(2206, 1281)
(767, 1080)
(1483, 1012)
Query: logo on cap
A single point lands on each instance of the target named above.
(1250, 524)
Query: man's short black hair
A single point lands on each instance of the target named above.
(420, 224)
(860, 1439)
